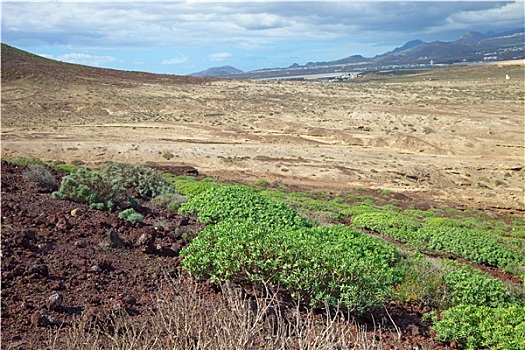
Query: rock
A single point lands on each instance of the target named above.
(113, 240)
(175, 234)
(39, 269)
(184, 221)
(116, 241)
(80, 244)
(76, 212)
(96, 269)
(95, 316)
(146, 242)
(42, 319)
(62, 224)
(55, 301)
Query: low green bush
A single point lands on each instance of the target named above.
(470, 286)
(170, 201)
(335, 265)
(394, 225)
(146, 181)
(241, 203)
(188, 186)
(130, 215)
(92, 188)
(423, 281)
(106, 189)
(358, 209)
(482, 327)
(477, 246)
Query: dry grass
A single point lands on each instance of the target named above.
(186, 318)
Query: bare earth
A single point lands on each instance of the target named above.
(450, 134)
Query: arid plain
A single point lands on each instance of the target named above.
(453, 134)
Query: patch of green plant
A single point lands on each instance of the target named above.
(460, 222)
(261, 183)
(130, 215)
(25, 161)
(106, 189)
(146, 181)
(477, 246)
(92, 188)
(420, 213)
(423, 281)
(335, 265)
(470, 286)
(397, 226)
(241, 203)
(358, 209)
(66, 168)
(482, 327)
(190, 187)
(170, 201)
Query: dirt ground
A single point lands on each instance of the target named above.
(454, 134)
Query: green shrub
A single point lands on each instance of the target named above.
(359, 209)
(469, 286)
(241, 203)
(335, 265)
(130, 215)
(423, 282)
(91, 187)
(477, 246)
(146, 181)
(170, 201)
(40, 175)
(106, 189)
(397, 226)
(188, 186)
(482, 327)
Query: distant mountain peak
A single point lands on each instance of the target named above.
(470, 38)
(409, 44)
(222, 72)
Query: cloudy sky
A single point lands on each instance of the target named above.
(183, 37)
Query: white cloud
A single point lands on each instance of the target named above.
(260, 21)
(504, 16)
(176, 60)
(81, 58)
(219, 24)
(220, 56)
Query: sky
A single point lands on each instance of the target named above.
(184, 37)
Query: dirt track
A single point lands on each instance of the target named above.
(454, 134)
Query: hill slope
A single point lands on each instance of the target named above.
(19, 64)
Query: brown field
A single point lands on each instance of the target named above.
(453, 134)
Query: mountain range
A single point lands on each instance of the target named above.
(470, 47)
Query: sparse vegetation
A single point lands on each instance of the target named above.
(40, 175)
(93, 188)
(106, 189)
(170, 201)
(130, 215)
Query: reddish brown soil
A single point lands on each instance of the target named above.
(48, 251)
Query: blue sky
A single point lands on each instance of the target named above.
(183, 37)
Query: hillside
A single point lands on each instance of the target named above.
(18, 64)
